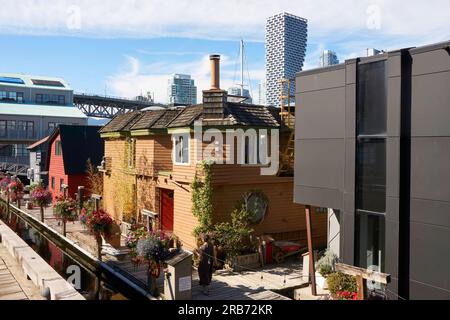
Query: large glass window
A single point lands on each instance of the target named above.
(370, 188)
(372, 101)
(369, 236)
(3, 95)
(371, 175)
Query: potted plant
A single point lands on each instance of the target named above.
(65, 209)
(99, 223)
(342, 286)
(325, 266)
(42, 198)
(153, 250)
(234, 239)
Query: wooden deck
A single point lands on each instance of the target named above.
(225, 286)
(13, 283)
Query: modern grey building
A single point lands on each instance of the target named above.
(373, 144)
(182, 90)
(30, 108)
(286, 37)
(236, 91)
(328, 58)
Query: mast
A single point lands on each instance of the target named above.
(242, 68)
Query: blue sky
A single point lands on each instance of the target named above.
(130, 46)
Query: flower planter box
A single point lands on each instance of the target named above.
(245, 262)
(321, 281)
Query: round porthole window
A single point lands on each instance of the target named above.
(256, 202)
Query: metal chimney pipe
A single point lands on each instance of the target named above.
(215, 71)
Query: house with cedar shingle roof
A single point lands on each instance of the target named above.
(152, 158)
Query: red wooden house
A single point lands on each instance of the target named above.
(70, 147)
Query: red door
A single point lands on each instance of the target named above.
(166, 210)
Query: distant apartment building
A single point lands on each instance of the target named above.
(372, 52)
(286, 37)
(236, 91)
(328, 58)
(262, 92)
(30, 108)
(182, 90)
(373, 145)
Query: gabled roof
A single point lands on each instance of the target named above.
(147, 119)
(38, 143)
(78, 144)
(120, 122)
(235, 114)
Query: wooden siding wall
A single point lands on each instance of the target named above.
(284, 219)
(56, 169)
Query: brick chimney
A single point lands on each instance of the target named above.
(214, 99)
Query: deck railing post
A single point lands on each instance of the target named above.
(312, 271)
(80, 196)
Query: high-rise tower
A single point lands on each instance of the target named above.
(286, 37)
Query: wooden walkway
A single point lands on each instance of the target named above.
(226, 285)
(13, 282)
(223, 288)
(9, 287)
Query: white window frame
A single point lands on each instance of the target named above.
(184, 151)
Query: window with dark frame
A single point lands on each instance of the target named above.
(3, 128)
(53, 183)
(61, 185)
(58, 148)
(370, 193)
(182, 149)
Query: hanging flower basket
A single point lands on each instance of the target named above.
(65, 209)
(41, 197)
(4, 183)
(97, 222)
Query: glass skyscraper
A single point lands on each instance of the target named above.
(328, 58)
(236, 91)
(182, 90)
(286, 37)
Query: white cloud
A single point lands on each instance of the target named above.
(221, 19)
(137, 78)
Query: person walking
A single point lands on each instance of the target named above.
(206, 263)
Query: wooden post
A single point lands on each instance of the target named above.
(64, 227)
(312, 270)
(42, 213)
(361, 287)
(98, 237)
(7, 204)
(80, 197)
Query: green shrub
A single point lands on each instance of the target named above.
(325, 265)
(341, 282)
(234, 237)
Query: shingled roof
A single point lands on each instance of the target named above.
(79, 143)
(235, 114)
(120, 122)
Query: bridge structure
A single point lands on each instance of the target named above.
(107, 106)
